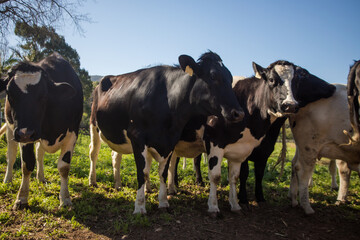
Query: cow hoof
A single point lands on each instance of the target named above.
(262, 204)
(65, 203)
(18, 205)
(117, 186)
(7, 179)
(334, 188)
(140, 211)
(245, 207)
(294, 203)
(164, 204)
(215, 215)
(309, 211)
(340, 202)
(93, 185)
(172, 192)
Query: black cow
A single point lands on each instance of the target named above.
(309, 89)
(44, 105)
(144, 112)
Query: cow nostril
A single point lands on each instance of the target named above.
(237, 115)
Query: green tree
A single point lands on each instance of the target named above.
(39, 42)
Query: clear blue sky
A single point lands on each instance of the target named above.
(322, 36)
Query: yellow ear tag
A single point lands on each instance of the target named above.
(189, 70)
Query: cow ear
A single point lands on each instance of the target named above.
(3, 83)
(260, 72)
(63, 90)
(189, 65)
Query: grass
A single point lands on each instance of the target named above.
(113, 209)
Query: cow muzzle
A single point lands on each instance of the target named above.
(289, 107)
(24, 135)
(236, 116)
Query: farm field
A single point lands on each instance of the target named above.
(104, 213)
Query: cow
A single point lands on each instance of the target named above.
(310, 89)
(44, 105)
(318, 130)
(145, 112)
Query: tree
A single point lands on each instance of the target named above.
(47, 13)
(39, 42)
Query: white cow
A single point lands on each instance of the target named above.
(318, 131)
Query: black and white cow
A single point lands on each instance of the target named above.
(44, 105)
(309, 88)
(322, 129)
(264, 98)
(145, 112)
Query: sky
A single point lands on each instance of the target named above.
(322, 36)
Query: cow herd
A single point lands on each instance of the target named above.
(166, 112)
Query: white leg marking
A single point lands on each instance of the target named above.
(148, 161)
(94, 153)
(140, 195)
(344, 175)
(163, 202)
(64, 167)
(304, 174)
(116, 161)
(171, 174)
(140, 201)
(10, 155)
(294, 185)
(40, 152)
(215, 177)
(234, 172)
(23, 194)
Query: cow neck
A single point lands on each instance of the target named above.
(254, 96)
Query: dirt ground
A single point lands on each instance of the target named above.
(265, 222)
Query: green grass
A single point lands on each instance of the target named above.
(114, 208)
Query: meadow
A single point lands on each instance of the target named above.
(104, 213)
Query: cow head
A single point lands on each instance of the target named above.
(28, 93)
(212, 93)
(279, 76)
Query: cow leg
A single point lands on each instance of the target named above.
(40, 152)
(215, 158)
(94, 146)
(197, 164)
(294, 185)
(259, 167)
(116, 161)
(27, 166)
(63, 166)
(147, 169)
(244, 174)
(10, 155)
(176, 173)
(344, 176)
(163, 172)
(332, 170)
(140, 154)
(305, 170)
(234, 171)
(174, 161)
